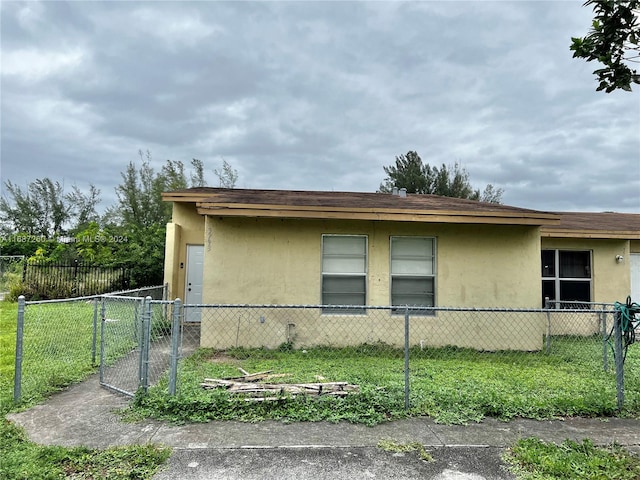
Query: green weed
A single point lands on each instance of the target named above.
(451, 385)
(22, 459)
(534, 459)
(392, 446)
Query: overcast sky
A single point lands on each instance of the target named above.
(317, 95)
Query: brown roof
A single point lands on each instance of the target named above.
(384, 206)
(595, 225)
(354, 205)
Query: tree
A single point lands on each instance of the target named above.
(613, 41)
(83, 206)
(44, 209)
(227, 176)
(197, 176)
(409, 172)
(141, 215)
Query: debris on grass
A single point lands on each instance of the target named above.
(250, 385)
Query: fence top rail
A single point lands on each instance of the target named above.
(60, 300)
(121, 297)
(578, 302)
(401, 309)
(141, 289)
(93, 297)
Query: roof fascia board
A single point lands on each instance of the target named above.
(594, 234)
(402, 211)
(380, 215)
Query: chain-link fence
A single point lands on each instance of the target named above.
(418, 357)
(58, 341)
(409, 351)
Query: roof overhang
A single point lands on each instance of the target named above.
(593, 234)
(375, 214)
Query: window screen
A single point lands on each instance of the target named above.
(412, 272)
(344, 272)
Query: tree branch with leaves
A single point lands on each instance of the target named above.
(614, 41)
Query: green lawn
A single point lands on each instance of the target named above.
(58, 341)
(533, 459)
(449, 384)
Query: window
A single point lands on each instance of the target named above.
(566, 276)
(344, 272)
(412, 272)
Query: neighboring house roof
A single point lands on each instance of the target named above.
(354, 206)
(595, 225)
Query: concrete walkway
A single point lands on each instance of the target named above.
(84, 415)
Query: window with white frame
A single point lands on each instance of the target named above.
(413, 271)
(566, 276)
(344, 272)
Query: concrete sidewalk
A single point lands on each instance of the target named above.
(84, 415)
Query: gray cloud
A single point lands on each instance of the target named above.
(317, 95)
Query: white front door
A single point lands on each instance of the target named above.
(193, 283)
(634, 263)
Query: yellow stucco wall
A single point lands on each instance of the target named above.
(278, 261)
(274, 261)
(186, 228)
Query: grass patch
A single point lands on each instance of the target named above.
(395, 447)
(22, 459)
(57, 347)
(450, 385)
(534, 459)
(57, 352)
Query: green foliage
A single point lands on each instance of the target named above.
(409, 172)
(140, 202)
(613, 40)
(227, 176)
(532, 458)
(43, 209)
(395, 447)
(22, 459)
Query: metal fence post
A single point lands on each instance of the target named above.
(103, 318)
(94, 336)
(17, 380)
(406, 359)
(175, 345)
(605, 349)
(617, 350)
(145, 347)
(547, 306)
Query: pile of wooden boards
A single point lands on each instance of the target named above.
(250, 385)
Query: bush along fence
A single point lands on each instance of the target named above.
(46, 280)
(207, 361)
(58, 341)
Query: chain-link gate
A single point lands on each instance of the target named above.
(135, 342)
(121, 332)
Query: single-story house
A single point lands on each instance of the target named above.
(246, 246)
